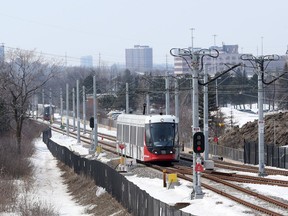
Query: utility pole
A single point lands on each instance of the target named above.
(78, 112)
(147, 103)
(192, 39)
(127, 98)
(199, 143)
(214, 36)
(61, 105)
(176, 98)
(73, 104)
(67, 109)
(259, 64)
(197, 190)
(206, 108)
(43, 101)
(195, 57)
(50, 106)
(95, 128)
(84, 110)
(167, 96)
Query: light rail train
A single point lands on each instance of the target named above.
(46, 112)
(148, 138)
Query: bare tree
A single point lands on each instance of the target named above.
(21, 75)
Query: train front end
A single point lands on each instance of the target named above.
(161, 138)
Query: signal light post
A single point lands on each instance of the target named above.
(196, 57)
(259, 64)
(198, 142)
(198, 137)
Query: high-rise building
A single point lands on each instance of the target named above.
(86, 61)
(139, 58)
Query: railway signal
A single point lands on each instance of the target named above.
(198, 142)
(91, 122)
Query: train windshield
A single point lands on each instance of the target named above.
(161, 134)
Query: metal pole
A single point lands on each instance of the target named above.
(216, 93)
(73, 104)
(176, 99)
(43, 101)
(206, 107)
(36, 102)
(127, 98)
(67, 109)
(167, 94)
(197, 191)
(147, 104)
(61, 105)
(261, 123)
(84, 110)
(194, 123)
(95, 144)
(50, 106)
(78, 112)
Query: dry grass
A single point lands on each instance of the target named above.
(14, 167)
(30, 208)
(8, 195)
(18, 167)
(83, 190)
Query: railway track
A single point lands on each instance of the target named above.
(248, 168)
(105, 140)
(186, 173)
(228, 180)
(238, 167)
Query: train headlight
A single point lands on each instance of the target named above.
(155, 152)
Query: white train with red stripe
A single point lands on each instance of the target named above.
(148, 137)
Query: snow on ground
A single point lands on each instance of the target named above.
(241, 116)
(49, 187)
(211, 204)
(53, 191)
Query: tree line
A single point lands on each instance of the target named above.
(25, 74)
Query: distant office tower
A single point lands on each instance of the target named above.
(86, 61)
(139, 58)
(1, 52)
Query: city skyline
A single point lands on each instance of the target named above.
(106, 28)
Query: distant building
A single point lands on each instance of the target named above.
(228, 56)
(139, 58)
(86, 61)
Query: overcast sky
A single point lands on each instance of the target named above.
(89, 27)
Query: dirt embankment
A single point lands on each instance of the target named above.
(275, 132)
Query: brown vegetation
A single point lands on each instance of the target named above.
(13, 167)
(275, 132)
(83, 190)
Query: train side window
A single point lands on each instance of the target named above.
(119, 132)
(126, 133)
(133, 135)
(140, 136)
